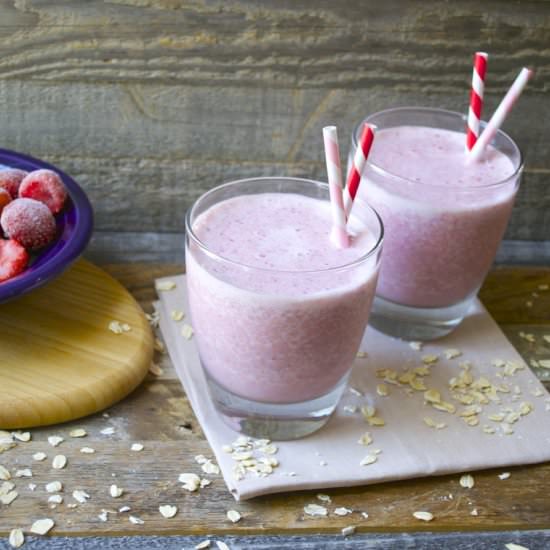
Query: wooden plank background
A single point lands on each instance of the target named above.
(150, 102)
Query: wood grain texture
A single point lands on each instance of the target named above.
(150, 102)
(59, 360)
(158, 415)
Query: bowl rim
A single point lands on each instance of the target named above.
(74, 246)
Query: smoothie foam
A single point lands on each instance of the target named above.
(277, 320)
(443, 218)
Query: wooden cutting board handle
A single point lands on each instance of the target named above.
(59, 360)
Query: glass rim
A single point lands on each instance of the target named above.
(190, 233)
(383, 172)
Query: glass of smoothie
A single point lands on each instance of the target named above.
(444, 217)
(278, 311)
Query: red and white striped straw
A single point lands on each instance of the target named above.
(476, 98)
(500, 114)
(359, 161)
(339, 235)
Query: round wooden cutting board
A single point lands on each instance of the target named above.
(59, 360)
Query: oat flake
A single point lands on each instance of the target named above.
(136, 447)
(369, 459)
(80, 496)
(59, 462)
(233, 516)
(342, 511)
(203, 545)
(135, 520)
(22, 436)
(26, 472)
(167, 511)
(16, 538)
(54, 487)
(39, 457)
(423, 516)
(78, 432)
(116, 491)
(221, 545)
(349, 530)
(87, 450)
(177, 315)
(187, 331)
(42, 526)
(315, 510)
(4, 473)
(513, 546)
(156, 370)
(165, 286)
(504, 475)
(467, 481)
(9, 497)
(55, 440)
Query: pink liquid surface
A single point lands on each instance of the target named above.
(442, 226)
(276, 331)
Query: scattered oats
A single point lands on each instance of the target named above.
(87, 450)
(135, 520)
(6, 441)
(103, 516)
(324, 498)
(433, 424)
(423, 516)
(349, 530)
(80, 496)
(32, 486)
(16, 538)
(177, 315)
(42, 526)
(365, 439)
(369, 459)
(54, 487)
(9, 497)
(26, 472)
(488, 429)
(525, 408)
(191, 482)
(123, 509)
(227, 449)
(429, 359)
(537, 392)
(205, 483)
(315, 510)
(4, 473)
(159, 346)
(350, 409)
(444, 406)
(210, 467)
(116, 491)
(59, 462)
(78, 432)
(22, 436)
(55, 440)
(382, 390)
(167, 511)
(153, 318)
(355, 392)
(432, 396)
(187, 331)
(546, 338)
(367, 411)
(269, 449)
(164, 286)
(203, 545)
(467, 481)
(527, 336)
(534, 363)
(452, 353)
(504, 475)
(117, 327)
(55, 499)
(136, 447)
(544, 363)
(39, 457)
(343, 511)
(417, 346)
(156, 370)
(233, 516)
(107, 431)
(506, 429)
(362, 354)
(417, 384)
(221, 545)
(474, 512)
(365, 515)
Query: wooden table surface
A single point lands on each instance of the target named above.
(159, 416)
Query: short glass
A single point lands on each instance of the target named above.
(439, 241)
(276, 362)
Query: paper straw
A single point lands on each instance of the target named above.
(500, 114)
(359, 161)
(339, 235)
(476, 98)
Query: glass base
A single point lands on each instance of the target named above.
(416, 323)
(275, 421)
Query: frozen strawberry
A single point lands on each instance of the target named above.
(29, 222)
(5, 198)
(44, 186)
(13, 259)
(11, 179)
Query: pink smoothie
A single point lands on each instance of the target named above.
(443, 222)
(268, 327)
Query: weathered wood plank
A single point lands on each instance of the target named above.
(150, 103)
(533, 540)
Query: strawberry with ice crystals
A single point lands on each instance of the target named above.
(5, 198)
(44, 186)
(11, 179)
(29, 222)
(13, 259)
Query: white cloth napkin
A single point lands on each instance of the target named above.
(409, 448)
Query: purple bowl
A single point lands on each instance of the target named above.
(74, 229)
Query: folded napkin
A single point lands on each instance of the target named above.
(416, 438)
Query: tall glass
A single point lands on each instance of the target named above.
(440, 240)
(277, 346)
